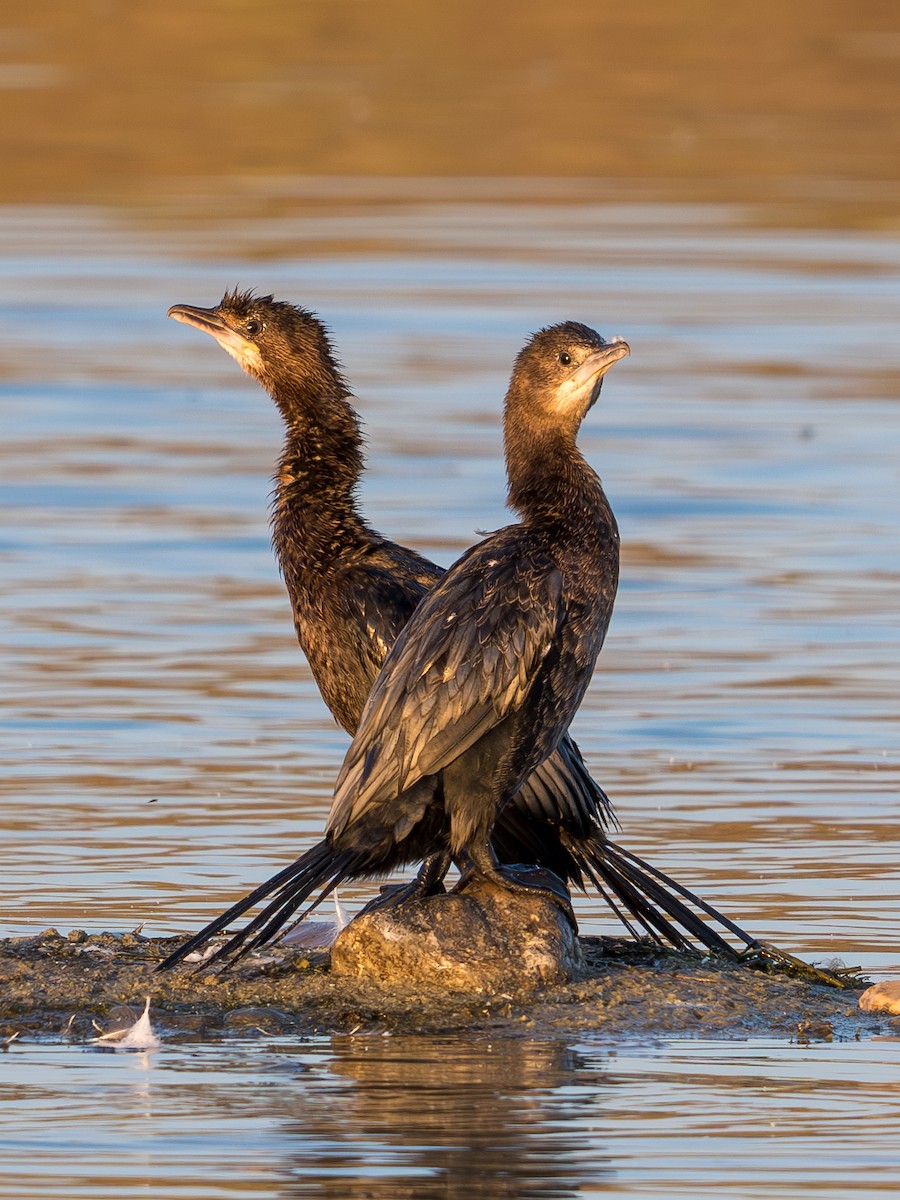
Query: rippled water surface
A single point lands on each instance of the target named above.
(164, 745)
(386, 1118)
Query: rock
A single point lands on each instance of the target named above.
(486, 940)
(881, 997)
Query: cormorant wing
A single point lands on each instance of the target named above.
(464, 662)
(378, 593)
(379, 606)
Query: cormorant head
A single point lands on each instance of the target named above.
(559, 372)
(283, 347)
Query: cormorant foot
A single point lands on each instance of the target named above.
(463, 882)
(524, 879)
(428, 882)
(462, 860)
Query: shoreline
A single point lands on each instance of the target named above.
(54, 986)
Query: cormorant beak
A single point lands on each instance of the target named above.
(597, 364)
(240, 348)
(587, 378)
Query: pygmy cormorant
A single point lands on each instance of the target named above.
(351, 593)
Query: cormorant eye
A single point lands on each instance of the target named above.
(565, 358)
(254, 327)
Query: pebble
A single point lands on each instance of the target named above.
(881, 997)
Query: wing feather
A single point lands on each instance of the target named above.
(465, 661)
(379, 593)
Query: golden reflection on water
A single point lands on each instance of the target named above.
(449, 1120)
(109, 102)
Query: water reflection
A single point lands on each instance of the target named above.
(207, 112)
(164, 743)
(423, 1119)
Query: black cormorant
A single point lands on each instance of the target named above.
(352, 592)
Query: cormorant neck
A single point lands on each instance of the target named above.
(551, 483)
(314, 513)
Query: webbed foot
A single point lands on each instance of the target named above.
(518, 877)
(429, 881)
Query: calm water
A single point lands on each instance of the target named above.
(164, 746)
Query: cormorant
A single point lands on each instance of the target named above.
(352, 592)
(483, 681)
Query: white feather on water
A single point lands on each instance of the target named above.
(139, 1036)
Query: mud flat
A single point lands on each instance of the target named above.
(54, 985)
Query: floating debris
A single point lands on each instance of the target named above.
(814, 1031)
(763, 956)
(200, 956)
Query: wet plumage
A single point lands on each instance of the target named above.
(498, 698)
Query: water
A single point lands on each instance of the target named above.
(393, 1117)
(164, 745)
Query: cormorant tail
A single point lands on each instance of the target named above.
(647, 902)
(659, 889)
(320, 868)
(654, 901)
(641, 896)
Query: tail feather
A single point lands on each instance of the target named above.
(610, 901)
(646, 869)
(620, 894)
(320, 867)
(655, 901)
(647, 902)
(279, 911)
